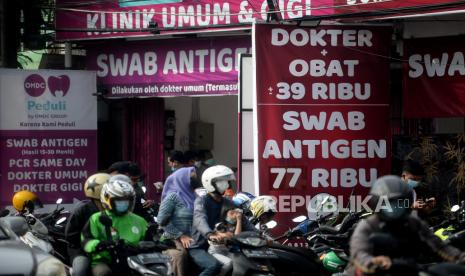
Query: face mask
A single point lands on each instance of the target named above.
(197, 164)
(121, 206)
(222, 186)
(195, 183)
(230, 220)
(210, 162)
(173, 169)
(412, 184)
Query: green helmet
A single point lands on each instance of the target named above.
(332, 262)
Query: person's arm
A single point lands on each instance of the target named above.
(89, 237)
(361, 249)
(238, 229)
(165, 215)
(200, 217)
(74, 227)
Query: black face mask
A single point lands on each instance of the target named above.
(195, 183)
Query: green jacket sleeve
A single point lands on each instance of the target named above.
(89, 235)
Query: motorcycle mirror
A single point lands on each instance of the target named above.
(59, 201)
(106, 220)
(299, 219)
(454, 208)
(271, 224)
(61, 220)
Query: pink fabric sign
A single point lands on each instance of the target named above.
(123, 18)
(175, 67)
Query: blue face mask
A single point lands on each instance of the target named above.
(412, 184)
(210, 162)
(231, 221)
(121, 206)
(173, 169)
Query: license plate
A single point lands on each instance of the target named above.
(259, 253)
(153, 258)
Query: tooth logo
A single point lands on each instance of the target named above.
(34, 85)
(58, 86)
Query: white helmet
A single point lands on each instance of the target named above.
(217, 179)
(118, 194)
(263, 208)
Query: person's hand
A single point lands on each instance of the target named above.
(418, 204)
(431, 202)
(158, 186)
(215, 237)
(185, 241)
(226, 235)
(383, 262)
(148, 204)
(104, 245)
(238, 216)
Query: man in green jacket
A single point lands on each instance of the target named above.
(117, 197)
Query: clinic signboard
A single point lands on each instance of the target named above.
(168, 68)
(127, 18)
(322, 112)
(48, 133)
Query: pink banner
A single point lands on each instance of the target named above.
(175, 67)
(322, 111)
(350, 6)
(52, 164)
(48, 133)
(76, 20)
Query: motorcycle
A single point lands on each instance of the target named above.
(145, 259)
(47, 232)
(452, 230)
(13, 250)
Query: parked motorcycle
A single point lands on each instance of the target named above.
(17, 258)
(452, 230)
(47, 231)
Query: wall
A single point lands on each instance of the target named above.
(221, 111)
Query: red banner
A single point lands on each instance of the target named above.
(322, 111)
(434, 78)
(347, 6)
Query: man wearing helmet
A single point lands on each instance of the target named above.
(117, 197)
(392, 233)
(207, 213)
(79, 217)
(132, 170)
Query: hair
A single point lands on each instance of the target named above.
(413, 167)
(190, 155)
(176, 155)
(125, 167)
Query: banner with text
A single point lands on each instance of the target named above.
(166, 68)
(350, 6)
(322, 107)
(76, 20)
(434, 77)
(48, 133)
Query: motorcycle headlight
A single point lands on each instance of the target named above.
(51, 267)
(253, 241)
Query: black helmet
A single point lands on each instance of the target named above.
(391, 197)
